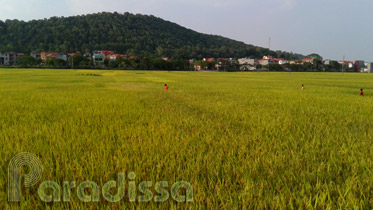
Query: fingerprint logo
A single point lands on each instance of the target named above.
(35, 170)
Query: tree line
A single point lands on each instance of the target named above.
(82, 62)
(148, 63)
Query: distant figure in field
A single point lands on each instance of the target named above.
(166, 87)
(361, 92)
(302, 86)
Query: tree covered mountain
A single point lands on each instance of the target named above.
(139, 35)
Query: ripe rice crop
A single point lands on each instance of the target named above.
(249, 140)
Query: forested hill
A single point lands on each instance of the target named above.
(139, 35)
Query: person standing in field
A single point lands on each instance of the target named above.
(361, 92)
(166, 87)
(302, 86)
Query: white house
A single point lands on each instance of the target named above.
(98, 58)
(327, 61)
(246, 61)
(370, 68)
(263, 62)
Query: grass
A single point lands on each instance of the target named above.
(243, 140)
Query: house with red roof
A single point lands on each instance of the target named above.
(348, 64)
(115, 56)
(264, 62)
(48, 55)
(295, 62)
(308, 60)
(107, 53)
(73, 54)
(209, 59)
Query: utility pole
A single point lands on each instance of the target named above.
(269, 51)
(343, 64)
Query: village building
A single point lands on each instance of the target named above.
(359, 65)
(280, 61)
(35, 55)
(2, 59)
(267, 57)
(295, 62)
(264, 62)
(48, 55)
(107, 53)
(246, 61)
(327, 62)
(209, 59)
(198, 67)
(369, 68)
(116, 56)
(308, 60)
(10, 58)
(347, 64)
(62, 57)
(98, 58)
(73, 54)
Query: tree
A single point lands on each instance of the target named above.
(315, 56)
(333, 66)
(28, 61)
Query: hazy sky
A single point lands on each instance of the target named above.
(332, 28)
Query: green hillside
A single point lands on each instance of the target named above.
(139, 35)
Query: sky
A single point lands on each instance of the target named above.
(332, 28)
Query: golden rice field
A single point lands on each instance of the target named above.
(248, 140)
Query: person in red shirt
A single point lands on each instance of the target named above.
(361, 92)
(166, 87)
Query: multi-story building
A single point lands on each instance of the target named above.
(370, 67)
(359, 65)
(2, 58)
(98, 58)
(10, 58)
(107, 53)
